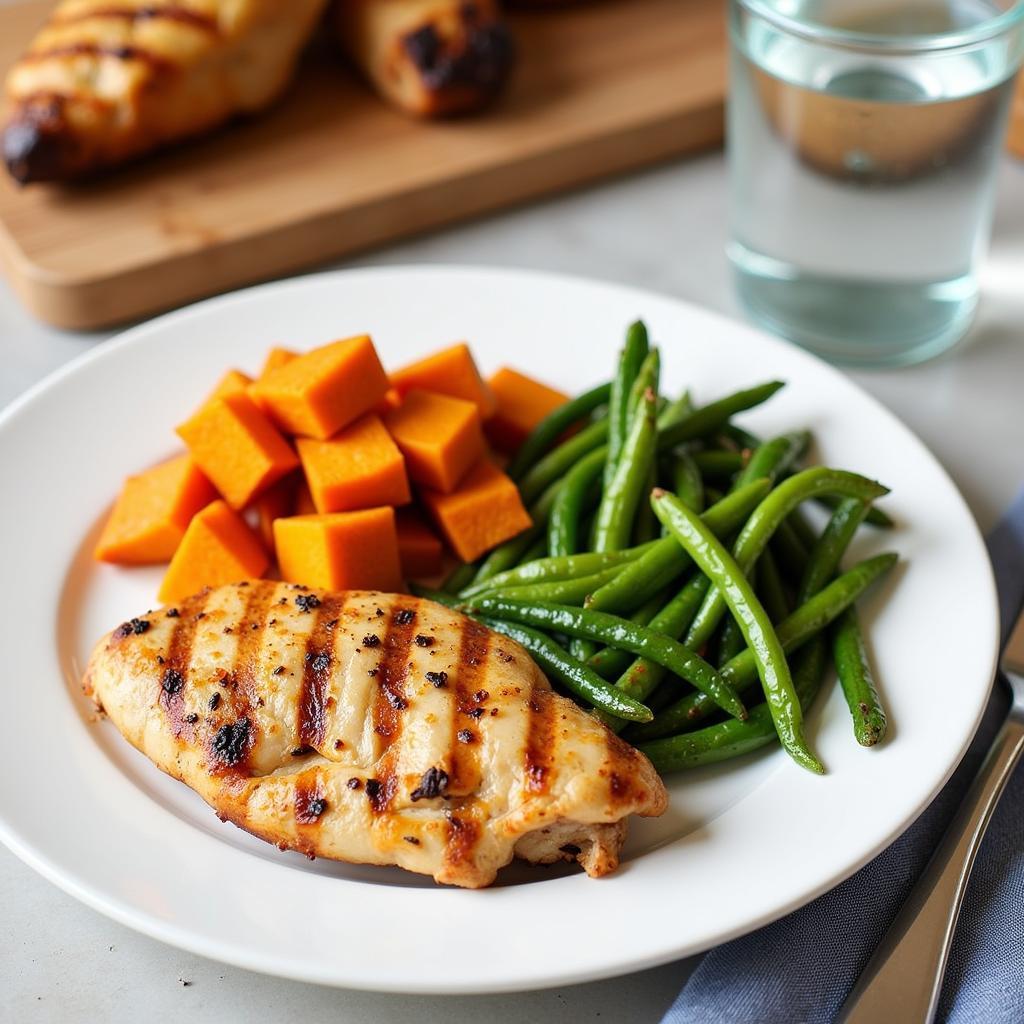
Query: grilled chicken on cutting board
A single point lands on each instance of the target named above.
(107, 80)
(429, 57)
(372, 728)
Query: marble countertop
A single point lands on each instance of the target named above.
(664, 230)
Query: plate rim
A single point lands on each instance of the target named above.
(151, 925)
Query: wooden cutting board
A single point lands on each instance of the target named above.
(600, 89)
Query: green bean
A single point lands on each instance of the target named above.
(537, 549)
(665, 561)
(688, 482)
(643, 676)
(709, 418)
(824, 557)
(608, 662)
(564, 522)
(796, 629)
(553, 466)
(572, 591)
(789, 552)
(876, 517)
(646, 526)
(575, 677)
(648, 379)
(742, 438)
(551, 428)
(763, 523)
(857, 680)
(719, 464)
(775, 457)
(623, 492)
(730, 642)
(564, 567)
(675, 411)
(459, 577)
(730, 580)
(802, 529)
(770, 588)
(730, 739)
(631, 358)
(616, 632)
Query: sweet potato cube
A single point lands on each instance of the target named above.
(439, 436)
(152, 513)
(360, 467)
(237, 447)
(218, 547)
(419, 549)
(522, 403)
(318, 393)
(391, 400)
(231, 383)
(451, 371)
(340, 550)
(276, 357)
(485, 511)
(275, 502)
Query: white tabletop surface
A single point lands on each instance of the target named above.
(664, 230)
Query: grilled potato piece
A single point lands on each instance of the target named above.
(107, 80)
(372, 728)
(429, 57)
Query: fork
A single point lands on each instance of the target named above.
(903, 979)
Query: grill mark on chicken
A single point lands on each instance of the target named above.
(463, 833)
(125, 53)
(317, 665)
(175, 676)
(474, 647)
(310, 800)
(390, 699)
(172, 12)
(539, 751)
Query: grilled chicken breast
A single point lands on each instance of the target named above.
(373, 728)
(428, 57)
(107, 80)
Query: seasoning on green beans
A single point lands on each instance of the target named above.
(551, 428)
(575, 677)
(616, 632)
(731, 582)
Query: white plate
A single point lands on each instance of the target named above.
(739, 846)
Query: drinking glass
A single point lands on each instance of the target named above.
(863, 139)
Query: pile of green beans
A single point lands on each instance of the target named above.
(671, 578)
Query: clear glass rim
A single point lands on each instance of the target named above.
(886, 44)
